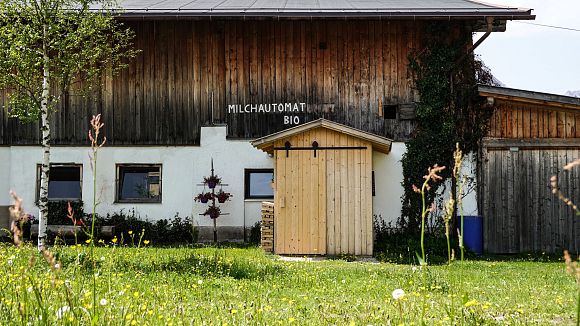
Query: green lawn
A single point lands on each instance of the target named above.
(208, 286)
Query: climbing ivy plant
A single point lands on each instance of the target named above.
(445, 76)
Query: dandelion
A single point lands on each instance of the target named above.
(146, 242)
(103, 302)
(88, 241)
(130, 232)
(114, 240)
(233, 311)
(398, 294)
(471, 303)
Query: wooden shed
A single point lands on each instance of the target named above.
(532, 136)
(323, 188)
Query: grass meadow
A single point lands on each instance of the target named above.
(233, 286)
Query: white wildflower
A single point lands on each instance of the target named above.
(103, 302)
(398, 294)
(199, 282)
(61, 311)
(29, 289)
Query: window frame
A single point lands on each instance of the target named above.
(120, 166)
(57, 165)
(247, 173)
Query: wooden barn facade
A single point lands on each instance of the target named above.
(213, 75)
(532, 137)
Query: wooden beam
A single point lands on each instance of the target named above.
(552, 143)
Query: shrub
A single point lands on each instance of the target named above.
(57, 211)
(397, 246)
(177, 230)
(255, 234)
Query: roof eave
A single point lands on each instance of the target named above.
(442, 14)
(519, 95)
(379, 143)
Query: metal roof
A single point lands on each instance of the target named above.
(321, 8)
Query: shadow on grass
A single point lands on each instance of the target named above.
(206, 261)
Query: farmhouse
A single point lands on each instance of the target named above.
(306, 104)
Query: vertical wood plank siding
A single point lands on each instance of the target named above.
(513, 120)
(528, 144)
(520, 213)
(189, 71)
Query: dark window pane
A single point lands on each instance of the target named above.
(261, 184)
(139, 183)
(64, 182)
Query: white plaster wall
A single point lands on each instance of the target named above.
(183, 168)
(468, 174)
(5, 162)
(252, 211)
(469, 169)
(388, 178)
(388, 189)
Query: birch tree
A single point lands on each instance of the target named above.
(48, 47)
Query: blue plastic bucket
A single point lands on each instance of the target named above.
(473, 233)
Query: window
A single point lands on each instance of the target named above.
(139, 183)
(259, 184)
(64, 182)
(390, 111)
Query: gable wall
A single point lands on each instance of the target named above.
(189, 72)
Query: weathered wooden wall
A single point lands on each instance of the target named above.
(189, 72)
(520, 212)
(528, 144)
(524, 120)
(323, 204)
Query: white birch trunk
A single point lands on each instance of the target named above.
(45, 143)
